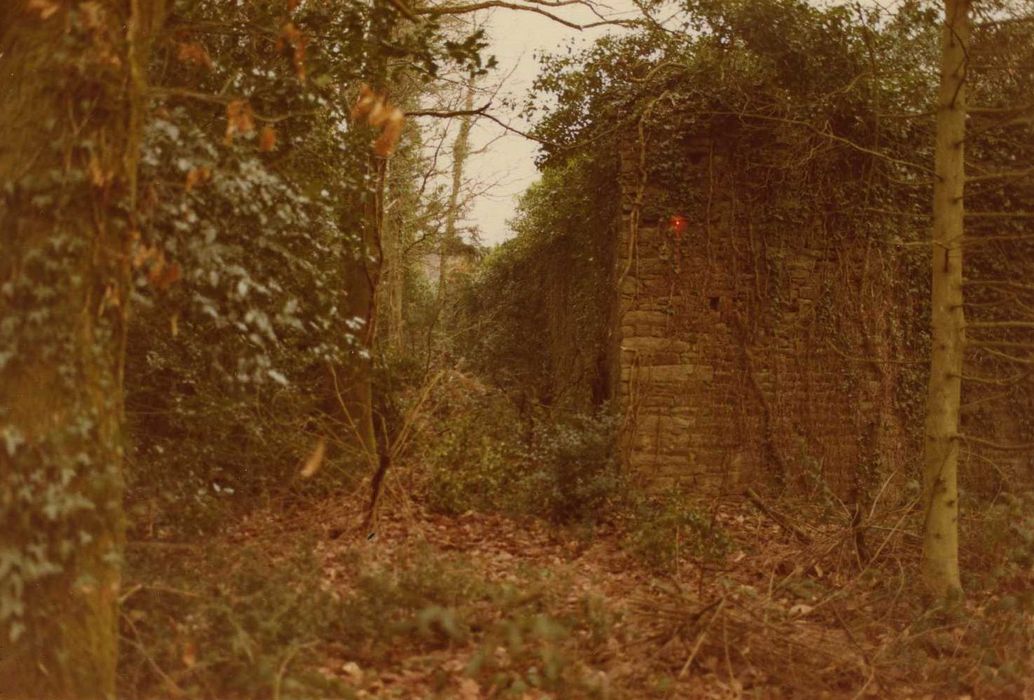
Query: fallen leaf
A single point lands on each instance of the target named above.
(99, 177)
(352, 670)
(390, 133)
(45, 8)
(469, 689)
(165, 275)
(92, 14)
(161, 273)
(364, 103)
(291, 37)
(800, 610)
(189, 656)
(315, 460)
(376, 111)
(111, 297)
(143, 254)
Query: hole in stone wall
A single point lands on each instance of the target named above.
(713, 301)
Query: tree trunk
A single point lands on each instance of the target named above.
(940, 493)
(70, 113)
(353, 380)
(393, 236)
(450, 236)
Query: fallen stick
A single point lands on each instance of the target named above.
(703, 633)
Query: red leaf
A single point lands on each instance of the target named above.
(239, 119)
(267, 139)
(197, 176)
(193, 54)
(291, 37)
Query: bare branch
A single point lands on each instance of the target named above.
(1000, 283)
(533, 7)
(225, 100)
(448, 114)
(999, 214)
(996, 445)
(1005, 356)
(1000, 324)
(1003, 175)
(827, 134)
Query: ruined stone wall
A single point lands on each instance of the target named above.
(753, 347)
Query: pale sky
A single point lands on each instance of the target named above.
(508, 159)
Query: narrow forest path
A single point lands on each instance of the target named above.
(484, 606)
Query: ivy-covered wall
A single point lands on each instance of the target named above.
(758, 334)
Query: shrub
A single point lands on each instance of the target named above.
(666, 526)
(473, 456)
(486, 458)
(572, 473)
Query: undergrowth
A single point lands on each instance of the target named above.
(562, 467)
(667, 526)
(237, 623)
(247, 625)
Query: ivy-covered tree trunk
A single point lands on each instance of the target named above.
(354, 383)
(450, 237)
(940, 472)
(70, 111)
(350, 394)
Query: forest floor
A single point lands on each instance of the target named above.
(485, 606)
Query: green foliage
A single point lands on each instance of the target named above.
(790, 74)
(422, 603)
(472, 456)
(552, 282)
(537, 640)
(559, 467)
(246, 328)
(243, 623)
(237, 625)
(61, 320)
(227, 366)
(668, 526)
(530, 651)
(572, 471)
